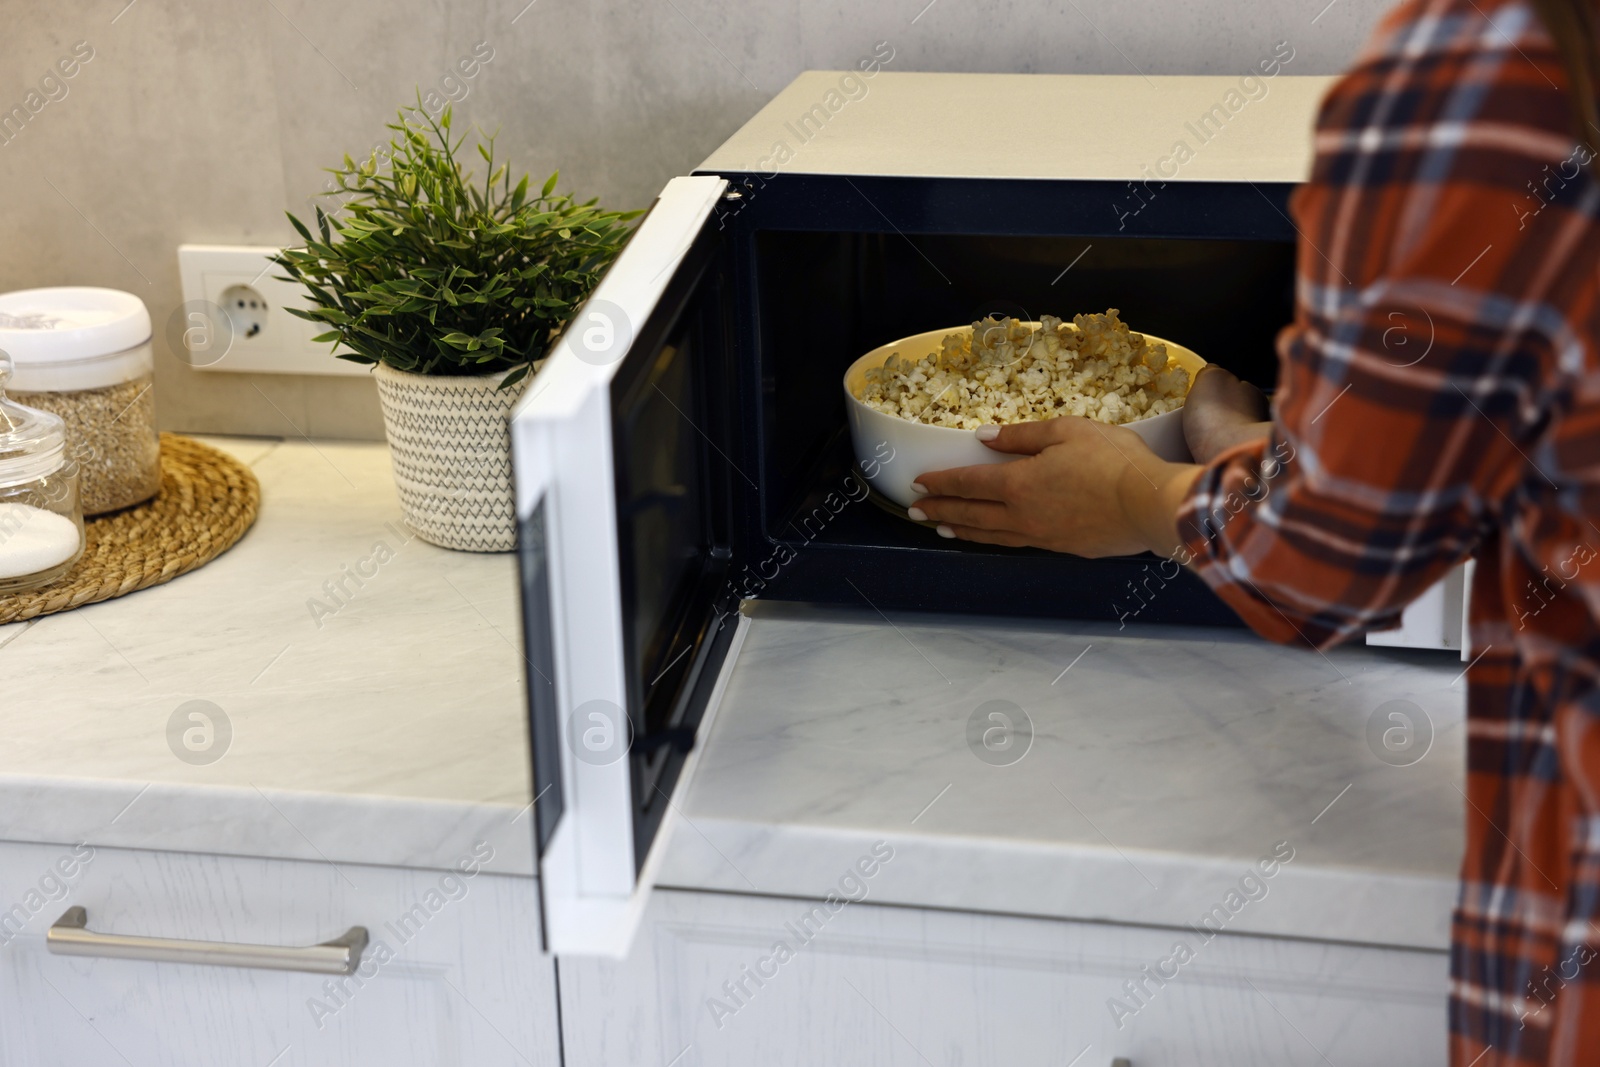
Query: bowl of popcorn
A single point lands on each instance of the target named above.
(914, 404)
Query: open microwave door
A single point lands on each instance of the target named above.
(623, 456)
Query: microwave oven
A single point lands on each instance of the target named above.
(685, 446)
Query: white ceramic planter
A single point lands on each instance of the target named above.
(451, 450)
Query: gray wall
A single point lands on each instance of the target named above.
(202, 121)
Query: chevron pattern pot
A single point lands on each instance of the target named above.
(451, 449)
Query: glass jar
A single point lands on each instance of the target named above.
(41, 520)
(84, 355)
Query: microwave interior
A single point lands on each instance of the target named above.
(821, 299)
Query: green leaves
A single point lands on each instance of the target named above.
(429, 271)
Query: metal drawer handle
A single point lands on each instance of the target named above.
(69, 937)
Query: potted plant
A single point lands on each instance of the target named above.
(453, 290)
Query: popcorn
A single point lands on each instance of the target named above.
(1005, 372)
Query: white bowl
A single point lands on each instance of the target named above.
(892, 452)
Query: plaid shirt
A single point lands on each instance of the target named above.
(1439, 398)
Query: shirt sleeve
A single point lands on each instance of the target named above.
(1415, 380)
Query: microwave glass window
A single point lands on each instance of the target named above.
(539, 636)
(671, 454)
(665, 529)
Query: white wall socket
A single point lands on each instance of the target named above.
(234, 318)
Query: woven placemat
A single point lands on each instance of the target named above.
(207, 501)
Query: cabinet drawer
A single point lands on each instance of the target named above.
(452, 975)
(708, 985)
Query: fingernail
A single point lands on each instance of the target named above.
(917, 514)
(945, 531)
(986, 433)
(918, 487)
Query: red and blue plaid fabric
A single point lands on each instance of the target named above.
(1439, 398)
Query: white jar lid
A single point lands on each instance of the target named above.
(61, 338)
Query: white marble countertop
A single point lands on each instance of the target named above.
(1164, 762)
(388, 731)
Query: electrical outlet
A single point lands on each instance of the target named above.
(233, 316)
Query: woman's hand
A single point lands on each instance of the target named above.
(1221, 412)
(1085, 488)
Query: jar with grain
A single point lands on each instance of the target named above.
(41, 523)
(84, 355)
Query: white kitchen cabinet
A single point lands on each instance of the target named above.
(465, 984)
(893, 986)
